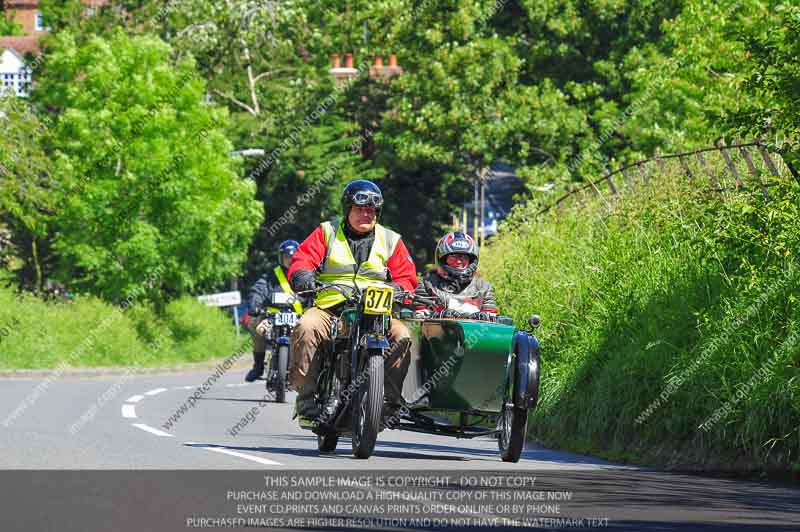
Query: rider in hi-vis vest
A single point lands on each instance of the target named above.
(260, 299)
(334, 252)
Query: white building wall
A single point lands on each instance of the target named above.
(14, 75)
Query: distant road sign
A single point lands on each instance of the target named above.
(223, 299)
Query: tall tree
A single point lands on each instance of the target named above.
(685, 89)
(151, 182)
(27, 190)
(773, 48)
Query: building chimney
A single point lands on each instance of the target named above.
(379, 61)
(393, 60)
(343, 74)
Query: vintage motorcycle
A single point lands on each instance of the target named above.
(283, 322)
(350, 393)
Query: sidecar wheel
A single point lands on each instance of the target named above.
(513, 425)
(513, 420)
(367, 408)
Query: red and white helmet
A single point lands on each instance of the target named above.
(457, 242)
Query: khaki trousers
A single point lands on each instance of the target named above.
(259, 342)
(314, 328)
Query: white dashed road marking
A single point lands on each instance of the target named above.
(152, 430)
(237, 454)
(129, 412)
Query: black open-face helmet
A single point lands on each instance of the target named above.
(361, 192)
(457, 242)
(285, 252)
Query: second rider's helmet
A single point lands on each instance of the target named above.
(457, 242)
(285, 252)
(362, 192)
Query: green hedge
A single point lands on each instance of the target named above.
(88, 332)
(670, 323)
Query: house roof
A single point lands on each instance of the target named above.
(21, 45)
(12, 4)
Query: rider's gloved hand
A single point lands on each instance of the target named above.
(484, 316)
(399, 292)
(303, 280)
(449, 313)
(264, 328)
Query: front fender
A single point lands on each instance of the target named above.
(376, 342)
(526, 389)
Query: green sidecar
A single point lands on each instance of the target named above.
(465, 375)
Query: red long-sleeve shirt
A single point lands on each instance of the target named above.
(311, 253)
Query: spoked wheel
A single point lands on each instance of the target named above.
(326, 443)
(280, 378)
(513, 420)
(367, 408)
(513, 425)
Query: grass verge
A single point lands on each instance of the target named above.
(670, 323)
(88, 332)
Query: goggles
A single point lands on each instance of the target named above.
(371, 199)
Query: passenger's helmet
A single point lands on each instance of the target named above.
(457, 242)
(285, 252)
(361, 192)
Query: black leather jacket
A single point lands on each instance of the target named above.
(260, 296)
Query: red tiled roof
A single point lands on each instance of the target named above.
(22, 45)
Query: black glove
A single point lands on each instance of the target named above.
(484, 316)
(303, 280)
(449, 313)
(399, 293)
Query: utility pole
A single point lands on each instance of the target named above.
(482, 235)
(475, 209)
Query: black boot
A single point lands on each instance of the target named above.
(305, 406)
(258, 368)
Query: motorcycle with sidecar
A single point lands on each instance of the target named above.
(466, 379)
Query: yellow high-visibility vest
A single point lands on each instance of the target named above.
(287, 288)
(339, 264)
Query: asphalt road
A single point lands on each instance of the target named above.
(118, 422)
(122, 422)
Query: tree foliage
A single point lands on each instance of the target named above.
(560, 89)
(773, 80)
(151, 185)
(27, 190)
(9, 26)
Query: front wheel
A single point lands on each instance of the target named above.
(368, 407)
(281, 368)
